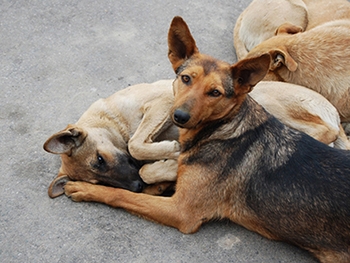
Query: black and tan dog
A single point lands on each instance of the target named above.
(239, 162)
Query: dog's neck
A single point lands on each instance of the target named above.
(249, 115)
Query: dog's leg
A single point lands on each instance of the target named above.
(160, 171)
(175, 211)
(155, 120)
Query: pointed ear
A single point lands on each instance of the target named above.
(248, 72)
(180, 43)
(64, 141)
(56, 187)
(282, 57)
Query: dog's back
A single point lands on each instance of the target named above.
(276, 181)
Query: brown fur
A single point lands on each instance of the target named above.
(231, 152)
(259, 21)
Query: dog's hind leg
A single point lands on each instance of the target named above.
(160, 171)
(143, 144)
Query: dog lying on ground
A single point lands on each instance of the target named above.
(132, 121)
(239, 162)
(302, 109)
(259, 21)
(317, 59)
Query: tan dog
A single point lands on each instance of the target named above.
(317, 59)
(97, 149)
(302, 109)
(261, 18)
(239, 162)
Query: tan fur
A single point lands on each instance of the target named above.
(261, 18)
(317, 59)
(135, 120)
(302, 109)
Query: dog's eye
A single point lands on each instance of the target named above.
(185, 79)
(240, 81)
(100, 160)
(214, 93)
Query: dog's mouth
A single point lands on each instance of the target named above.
(186, 125)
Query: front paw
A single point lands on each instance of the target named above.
(177, 149)
(78, 191)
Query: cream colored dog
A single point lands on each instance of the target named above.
(261, 18)
(303, 109)
(136, 121)
(317, 59)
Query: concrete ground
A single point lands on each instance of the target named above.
(56, 58)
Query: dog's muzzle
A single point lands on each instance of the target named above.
(181, 116)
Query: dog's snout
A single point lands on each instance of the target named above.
(137, 186)
(181, 116)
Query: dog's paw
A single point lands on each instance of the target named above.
(78, 191)
(177, 148)
(160, 171)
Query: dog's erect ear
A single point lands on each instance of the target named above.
(180, 43)
(56, 187)
(248, 72)
(280, 57)
(64, 141)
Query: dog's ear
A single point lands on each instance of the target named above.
(248, 72)
(288, 28)
(65, 141)
(56, 187)
(181, 44)
(281, 57)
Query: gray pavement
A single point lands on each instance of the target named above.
(56, 58)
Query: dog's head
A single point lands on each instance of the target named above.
(207, 89)
(275, 46)
(93, 155)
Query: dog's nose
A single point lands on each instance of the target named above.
(181, 116)
(137, 186)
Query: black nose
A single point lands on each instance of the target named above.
(137, 186)
(181, 116)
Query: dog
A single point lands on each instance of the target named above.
(131, 133)
(239, 162)
(252, 29)
(302, 109)
(117, 136)
(317, 59)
